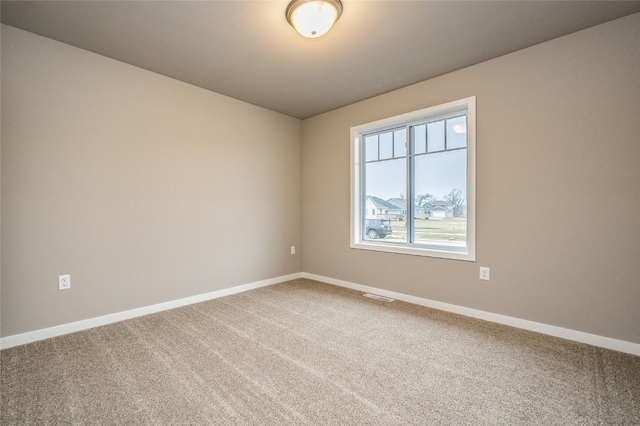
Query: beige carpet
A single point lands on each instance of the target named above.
(308, 353)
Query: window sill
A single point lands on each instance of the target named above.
(415, 251)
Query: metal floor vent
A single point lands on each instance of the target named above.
(378, 297)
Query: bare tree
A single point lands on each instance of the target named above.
(456, 198)
(423, 198)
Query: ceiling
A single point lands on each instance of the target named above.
(248, 51)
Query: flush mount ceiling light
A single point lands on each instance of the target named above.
(313, 18)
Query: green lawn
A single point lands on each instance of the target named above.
(452, 229)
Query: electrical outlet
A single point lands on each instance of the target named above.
(64, 282)
(485, 273)
(293, 249)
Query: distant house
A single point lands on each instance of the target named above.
(401, 204)
(399, 211)
(393, 208)
(438, 209)
(377, 208)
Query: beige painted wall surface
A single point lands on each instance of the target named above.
(143, 188)
(558, 186)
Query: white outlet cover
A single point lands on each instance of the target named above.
(64, 282)
(293, 249)
(485, 273)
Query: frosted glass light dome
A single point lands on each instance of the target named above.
(313, 18)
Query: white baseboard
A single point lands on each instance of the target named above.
(551, 330)
(45, 333)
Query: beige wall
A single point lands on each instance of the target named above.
(558, 186)
(143, 188)
(146, 189)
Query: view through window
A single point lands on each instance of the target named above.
(412, 183)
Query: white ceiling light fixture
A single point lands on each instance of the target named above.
(313, 18)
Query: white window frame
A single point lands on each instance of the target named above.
(467, 105)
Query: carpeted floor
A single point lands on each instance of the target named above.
(303, 352)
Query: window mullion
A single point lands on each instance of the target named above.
(363, 188)
(445, 135)
(410, 186)
(393, 144)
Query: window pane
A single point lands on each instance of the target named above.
(371, 147)
(457, 132)
(386, 146)
(385, 190)
(400, 143)
(435, 132)
(419, 139)
(441, 219)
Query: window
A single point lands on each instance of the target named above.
(413, 183)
